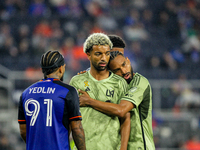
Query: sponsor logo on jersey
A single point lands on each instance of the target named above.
(86, 83)
(133, 89)
(87, 89)
(130, 92)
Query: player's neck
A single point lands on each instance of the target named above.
(99, 75)
(53, 75)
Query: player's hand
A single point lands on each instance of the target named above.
(83, 98)
(81, 72)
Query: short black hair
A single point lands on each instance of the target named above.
(51, 61)
(117, 41)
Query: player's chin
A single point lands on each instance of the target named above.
(128, 80)
(102, 68)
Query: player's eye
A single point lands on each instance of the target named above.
(108, 54)
(124, 64)
(97, 54)
(115, 71)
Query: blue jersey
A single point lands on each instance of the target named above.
(47, 107)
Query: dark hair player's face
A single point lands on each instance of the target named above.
(122, 67)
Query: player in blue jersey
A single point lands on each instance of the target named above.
(49, 109)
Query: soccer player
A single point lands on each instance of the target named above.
(118, 45)
(102, 132)
(49, 109)
(138, 101)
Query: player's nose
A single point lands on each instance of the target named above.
(123, 70)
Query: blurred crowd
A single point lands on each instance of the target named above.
(162, 37)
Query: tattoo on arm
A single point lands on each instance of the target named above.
(78, 135)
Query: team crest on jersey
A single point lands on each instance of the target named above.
(133, 89)
(110, 93)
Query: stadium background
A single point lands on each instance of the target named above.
(163, 44)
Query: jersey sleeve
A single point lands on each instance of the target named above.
(21, 115)
(73, 105)
(136, 94)
(123, 89)
(72, 83)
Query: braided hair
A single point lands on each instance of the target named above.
(50, 62)
(114, 54)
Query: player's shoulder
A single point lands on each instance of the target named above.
(79, 77)
(140, 79)
(31, 86)
(64, 85)
(118, 78)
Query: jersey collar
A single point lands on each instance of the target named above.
(50, 79)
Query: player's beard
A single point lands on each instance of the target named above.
(99, 68)
(131, 77)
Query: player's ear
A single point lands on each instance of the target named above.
(61, 68)
(128, 60)
(88, 55)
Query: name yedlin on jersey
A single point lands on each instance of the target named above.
(47, 90)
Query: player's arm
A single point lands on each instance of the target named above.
(119, 110)
(22, 120)
(125, 130)
(22, 128)
(78, 134)
(72, 105)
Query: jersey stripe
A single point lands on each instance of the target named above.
(124, 84)
(21, 121)
(75, 117)
(140, 115)
(137, 79)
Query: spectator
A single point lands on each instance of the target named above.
(38, 8)
(43, 28)
(169, 63)
(107, 22)
(189, 100)
(181, 84)
(136, 32)
(85, 17)
(4, 142)
(56, 29)
(136, 55)
(22, 33)
(193, 143)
